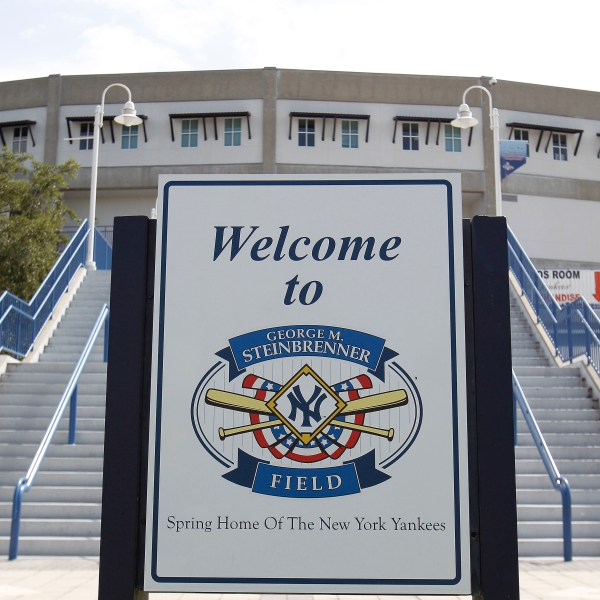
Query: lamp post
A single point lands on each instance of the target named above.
(465, 120)
(127, 118)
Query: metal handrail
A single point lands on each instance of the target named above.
(535, 290)
(557, 321)
(559, 483)
(70, 394)
(30, 317)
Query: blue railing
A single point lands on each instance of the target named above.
(574, 329)
(69, 395)
(558, 482)
(20, 321)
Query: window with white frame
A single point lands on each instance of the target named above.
(189, 133)
(410, 136)
(19, 144)
(233, 131)
(453, 138)
(129, 137)
(559, 146)
(306, 132)
(522, 135)
(86, 132)
(349, 134)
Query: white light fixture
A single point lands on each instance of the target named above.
(127, 118)
(465, 120)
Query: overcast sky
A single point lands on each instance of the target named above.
(550, 42)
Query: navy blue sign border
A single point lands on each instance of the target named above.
(452, 284)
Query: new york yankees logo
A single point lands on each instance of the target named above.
(298, 402)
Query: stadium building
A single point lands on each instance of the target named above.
(289, 121)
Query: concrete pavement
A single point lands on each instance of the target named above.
(77, 579)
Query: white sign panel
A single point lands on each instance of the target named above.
(308, 411)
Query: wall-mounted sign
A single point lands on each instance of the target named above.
(568, 285)
(308, 429)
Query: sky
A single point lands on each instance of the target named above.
(543, 42)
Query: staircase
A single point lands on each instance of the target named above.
(61, 512)
(569, 419)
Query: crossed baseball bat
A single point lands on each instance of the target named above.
(243, 403)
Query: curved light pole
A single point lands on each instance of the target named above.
(127, 118)
(465, 120)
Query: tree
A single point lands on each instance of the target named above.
(32, 213)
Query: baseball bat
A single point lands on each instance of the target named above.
(236, 402)
(386, 433)
(242, 403)
(382, 401)
(223, 433)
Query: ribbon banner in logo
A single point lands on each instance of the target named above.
(307, 340)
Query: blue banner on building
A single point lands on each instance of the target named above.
(513, 155)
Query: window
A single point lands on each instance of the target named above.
(410, 136)
(129, 137)
(453, 138)
(522, 135)
(86, 130)
(233, 132)
(349, 134)
(20, 140)
(559, 146)
(189, 133)
(306, 132)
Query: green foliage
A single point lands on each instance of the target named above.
(32, 214)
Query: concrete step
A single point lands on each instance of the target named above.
(533, 392)
(553, 547)
(83, 398)
(54, 510)
(52, 463)
(525, 352)
(550, 402)
(559, 452)
(553, 512)
(537, 529)
(55, 478)
(566, 467)
(54, 546)
(54, 527)
(61, 437)
(57, 367)
(544, 381)
(529, 361)
(549, 371)
(41, 423)
(58, 355)
(548, 495)
(42, 389)
(52, 378)
(541, 481)
(589, 414)
(562, 427)
(61, 493)
(27, 411)
(55, 450)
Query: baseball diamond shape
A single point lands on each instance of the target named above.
(306, 404)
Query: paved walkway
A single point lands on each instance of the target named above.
(77, 579)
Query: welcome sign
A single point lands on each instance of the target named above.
(308, 416)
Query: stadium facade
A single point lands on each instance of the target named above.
(291, 121)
